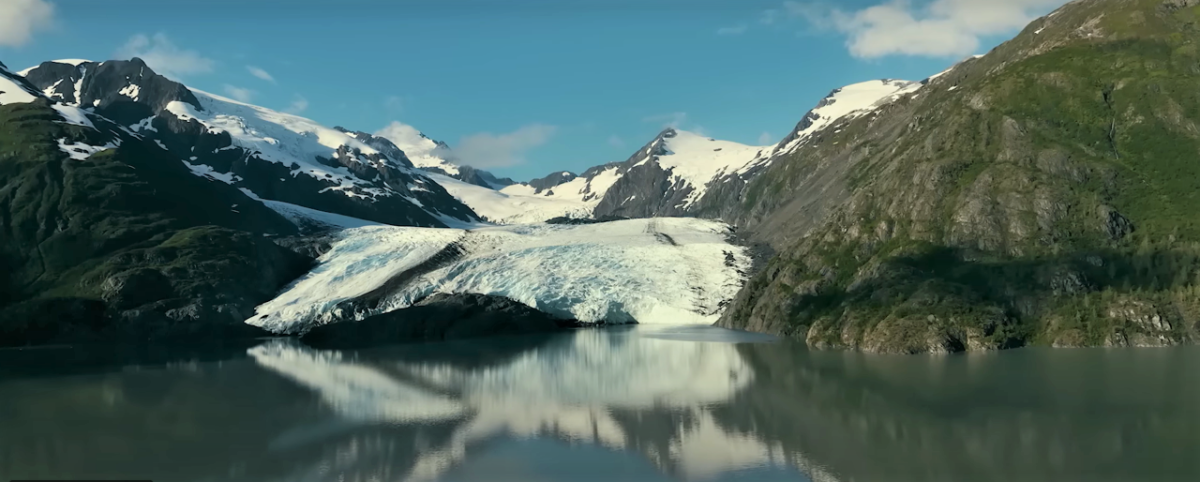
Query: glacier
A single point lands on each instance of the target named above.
(679, 271)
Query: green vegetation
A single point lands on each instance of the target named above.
(1051, 197)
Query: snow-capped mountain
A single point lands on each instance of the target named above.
(663, 178)
(844, 104)
(436, 156)
(270, 155)
(674, 173)
(670, 174)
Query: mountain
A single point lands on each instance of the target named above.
(677, 173)
(105, 235)
(275, 156)
(663, 178)
(681, 173)
(1045, 193)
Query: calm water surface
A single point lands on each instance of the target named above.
(600, 405)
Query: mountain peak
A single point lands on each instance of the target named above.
(846, 103)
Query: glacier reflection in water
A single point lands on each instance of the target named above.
(643, 403)
(579, 389)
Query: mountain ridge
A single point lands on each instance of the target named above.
(279, 157)
(1020, 198)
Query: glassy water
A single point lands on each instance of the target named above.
(600, 405)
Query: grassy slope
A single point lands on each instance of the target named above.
(1052, 197)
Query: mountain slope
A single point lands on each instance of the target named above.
(668, 175)
(680, 173)
(275, 156)
(101, 236)
(1042, 194)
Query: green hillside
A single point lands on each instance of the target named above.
(1046, 193)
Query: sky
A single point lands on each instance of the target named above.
(524, 87)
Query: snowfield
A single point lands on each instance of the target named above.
(654, 271)
(287, 139)
(697, 159)
(852, 101)
(508, 206)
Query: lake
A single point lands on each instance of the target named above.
(623, 404)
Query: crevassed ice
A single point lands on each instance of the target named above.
(657, 271)
(363, 260)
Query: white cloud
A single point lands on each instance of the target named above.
(239, 93)
(19, 19)
(615, 141)
(260, 73)
(164, 57)
(936, 28)
(765, 138)
(734, 30)
(401, 134)
(673, 120)
(300, 104)
(487, 150)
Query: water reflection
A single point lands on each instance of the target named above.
(640, 404)
(570, 389)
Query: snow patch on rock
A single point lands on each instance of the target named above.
(697, 160)
(81, 151)
(287, 139)
(849, 102)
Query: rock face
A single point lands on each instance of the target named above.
(550, 181)
(274, 156)
(1024, 197)
(114, 245)
(438, 317)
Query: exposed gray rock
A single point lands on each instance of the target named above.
(550, 181)
(438, 317)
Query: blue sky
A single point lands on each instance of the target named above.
(543, 84)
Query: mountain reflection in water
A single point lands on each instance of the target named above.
(621, 404)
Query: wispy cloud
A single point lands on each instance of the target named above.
(765, 138)
(768, 17)
(673, 120)
(260, 73)
(298, 105)
(937, 28)
(487, 150)
(239, 93)
(615, 141)
(734, 30)
(20, 19)
(401, 134)
(164, 57)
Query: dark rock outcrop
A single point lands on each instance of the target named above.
(549, 182)
(437, 317)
